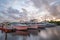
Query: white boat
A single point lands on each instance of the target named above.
(44, 25)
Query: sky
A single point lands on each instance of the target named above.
(19, 10)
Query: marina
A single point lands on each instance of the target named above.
(29, 19)
(47, 34)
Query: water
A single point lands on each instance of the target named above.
(46, 34)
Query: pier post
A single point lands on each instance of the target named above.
(5, 36)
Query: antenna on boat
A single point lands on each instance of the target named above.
(45, 19)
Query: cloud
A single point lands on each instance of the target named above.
(52, 6)
(10, 9)
(16, 9)
(55, 11)
(39, 3)
(12, 14)
(4, 4)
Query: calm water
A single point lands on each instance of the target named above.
(47, 34)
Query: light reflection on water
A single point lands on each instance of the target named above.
(47, 34)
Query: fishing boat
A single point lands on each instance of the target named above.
(43, 25)
(14, 28)
(7, 30)
(21, 27)
(32, 27)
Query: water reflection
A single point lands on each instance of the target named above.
(47, 34)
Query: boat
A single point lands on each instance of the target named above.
(32, 27)
(13, 28)
(43, 25)
(7, 30)
(21, 27)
